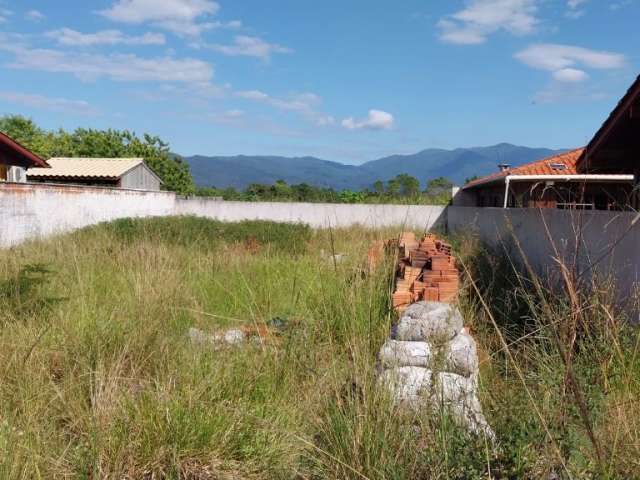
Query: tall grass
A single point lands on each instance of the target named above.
(98, 379)
(572, 409)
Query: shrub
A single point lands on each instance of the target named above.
(199, 232)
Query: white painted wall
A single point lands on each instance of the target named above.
(316, 214)
(609, 242)
(31, 211)
(39, 210)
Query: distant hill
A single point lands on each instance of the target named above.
(239, 171)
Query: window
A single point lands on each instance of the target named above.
(558, 166)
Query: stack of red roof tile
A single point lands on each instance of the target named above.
(426, 271)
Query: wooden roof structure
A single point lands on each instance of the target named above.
(616, 145)
(12, 153)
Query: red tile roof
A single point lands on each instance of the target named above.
(539, 167)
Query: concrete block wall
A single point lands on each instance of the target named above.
(38, 210)
(604, 242)
(317, 214)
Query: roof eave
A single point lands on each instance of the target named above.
(24, 152)
(605, 129)
(488, 182)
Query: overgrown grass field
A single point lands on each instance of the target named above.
(98, 378)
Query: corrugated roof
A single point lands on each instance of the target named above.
(563, 164)
(86, 167)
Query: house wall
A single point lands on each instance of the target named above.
(140, 178)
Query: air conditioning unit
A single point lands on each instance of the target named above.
(16, 175)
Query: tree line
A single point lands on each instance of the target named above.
(176, 175)
(402, 188)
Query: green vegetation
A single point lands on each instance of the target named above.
(176, 175)
(561, 370)
(402, 189)
(99, 380)
(83, 142)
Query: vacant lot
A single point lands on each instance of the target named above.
(99, 380)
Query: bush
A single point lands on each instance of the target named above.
(199, 232)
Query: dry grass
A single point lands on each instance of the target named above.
(98, 380)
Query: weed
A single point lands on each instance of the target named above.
(198, 232)
(24, 293)
(112, 388)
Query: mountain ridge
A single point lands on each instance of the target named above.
(239, 171)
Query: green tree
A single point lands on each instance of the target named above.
(394, 187)
(349, 196)
(173, 170)
(282, 191)
(439, 190)
(403, 185)
(230, 193)
(26, 132)
(438, 186)
(410, 185)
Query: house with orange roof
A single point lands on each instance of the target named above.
(601, 176)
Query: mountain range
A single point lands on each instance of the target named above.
(457, 165)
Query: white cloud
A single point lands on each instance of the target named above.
(570, 75)
(573, 8)
(64, 105)
(244, 45)
(4, 14)
(573, 4)
(305, 104)
(118, 67)
(301, 102)
(69, 37)
(566, 92)
(34, 16)
(567, 64)
(139, 11)
(615, 6)
(254, 95)
(376, 120)
(481, 18)
(193, 29)
(229, 117)
(553, 57)
(182, 17)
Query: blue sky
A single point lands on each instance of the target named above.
(346, 81)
